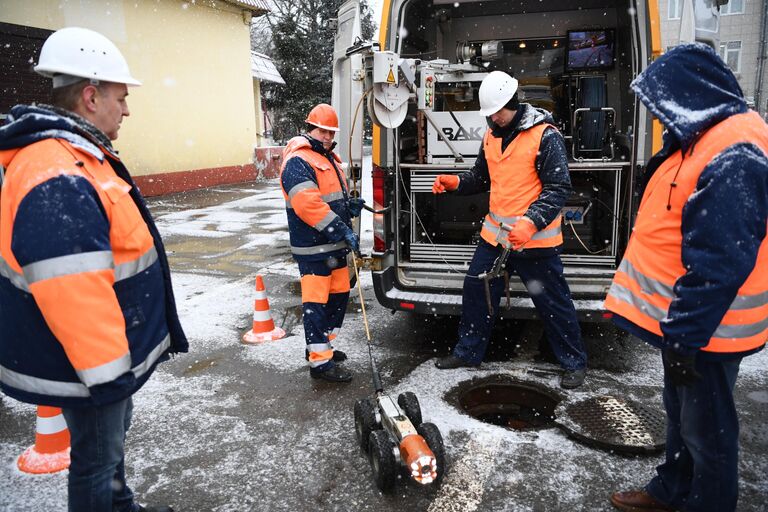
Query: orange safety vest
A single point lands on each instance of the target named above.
(515, 185)
(642, 288)
(312, 206)
(105, 309)
(327, 180)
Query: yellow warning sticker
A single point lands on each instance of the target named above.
(390, 77)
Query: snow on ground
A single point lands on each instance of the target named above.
(193, 423)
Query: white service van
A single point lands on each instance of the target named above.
(419, 83)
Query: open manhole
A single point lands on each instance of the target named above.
(606, 422)
(513, 405)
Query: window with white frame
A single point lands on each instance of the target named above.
(730, 51)
(674, 9)
(733, 7)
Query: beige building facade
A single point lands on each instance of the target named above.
(195, 121)
(742, 43)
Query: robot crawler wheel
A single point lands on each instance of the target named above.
(365, 421)
(434, 439)
(410, 406)
(383, 460)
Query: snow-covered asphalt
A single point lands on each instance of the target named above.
(230, 427)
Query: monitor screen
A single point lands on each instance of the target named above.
(590, 49)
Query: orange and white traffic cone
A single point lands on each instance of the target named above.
(51, 450)
(263, 326)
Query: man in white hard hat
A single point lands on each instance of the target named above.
(88, 309)
(524, 164)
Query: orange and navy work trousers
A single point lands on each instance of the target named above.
(324, 296)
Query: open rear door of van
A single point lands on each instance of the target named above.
(347, 92)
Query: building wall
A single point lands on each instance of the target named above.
(194, 113)
(735, 27)
(258, 113)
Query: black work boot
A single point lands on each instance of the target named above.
(333, 374)
(159, 508)
(572, 379)
(451, 362)
(338, 356)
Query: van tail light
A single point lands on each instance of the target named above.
(377, 176)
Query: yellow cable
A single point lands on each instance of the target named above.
(362, 300)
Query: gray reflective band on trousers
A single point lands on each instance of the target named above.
(317, 249)
(75, 264)
(72, 389)
(318, 347)
(735, 331)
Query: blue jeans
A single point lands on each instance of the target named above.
(97, 469)
(700, 472)
(543, 277)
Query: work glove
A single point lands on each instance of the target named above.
(356, 206)
(521, 233)
(353, 242)
(681, 368)
(445, 183)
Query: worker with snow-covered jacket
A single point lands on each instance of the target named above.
(524, 164)
(87, 308)
(694, 278)
(320, 211)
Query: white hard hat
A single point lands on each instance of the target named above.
(80, 52)
(496, 91)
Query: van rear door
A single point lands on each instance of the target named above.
(347, 91)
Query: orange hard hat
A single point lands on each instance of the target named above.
(323, 116)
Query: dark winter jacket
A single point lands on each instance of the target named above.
(317, 201)
(86, 303)
(690, 89)
(551, 165)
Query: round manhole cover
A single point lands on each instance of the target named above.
(614, 423)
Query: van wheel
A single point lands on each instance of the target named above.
(410, 406)
(383, 460)
(365, 421)
(434, 439)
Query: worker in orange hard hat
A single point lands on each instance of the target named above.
(320, 212)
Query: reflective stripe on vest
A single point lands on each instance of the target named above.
(643, 287)
(74, 264)
(333, 196)
(515, 185)
(539, 235)
(72, 389)
(330, 184)
(317, 249)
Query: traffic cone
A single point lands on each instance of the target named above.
(51, 450)
(263, 326)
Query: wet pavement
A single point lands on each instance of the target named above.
(230, 427)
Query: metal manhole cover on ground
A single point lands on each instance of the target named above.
(614, 423)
